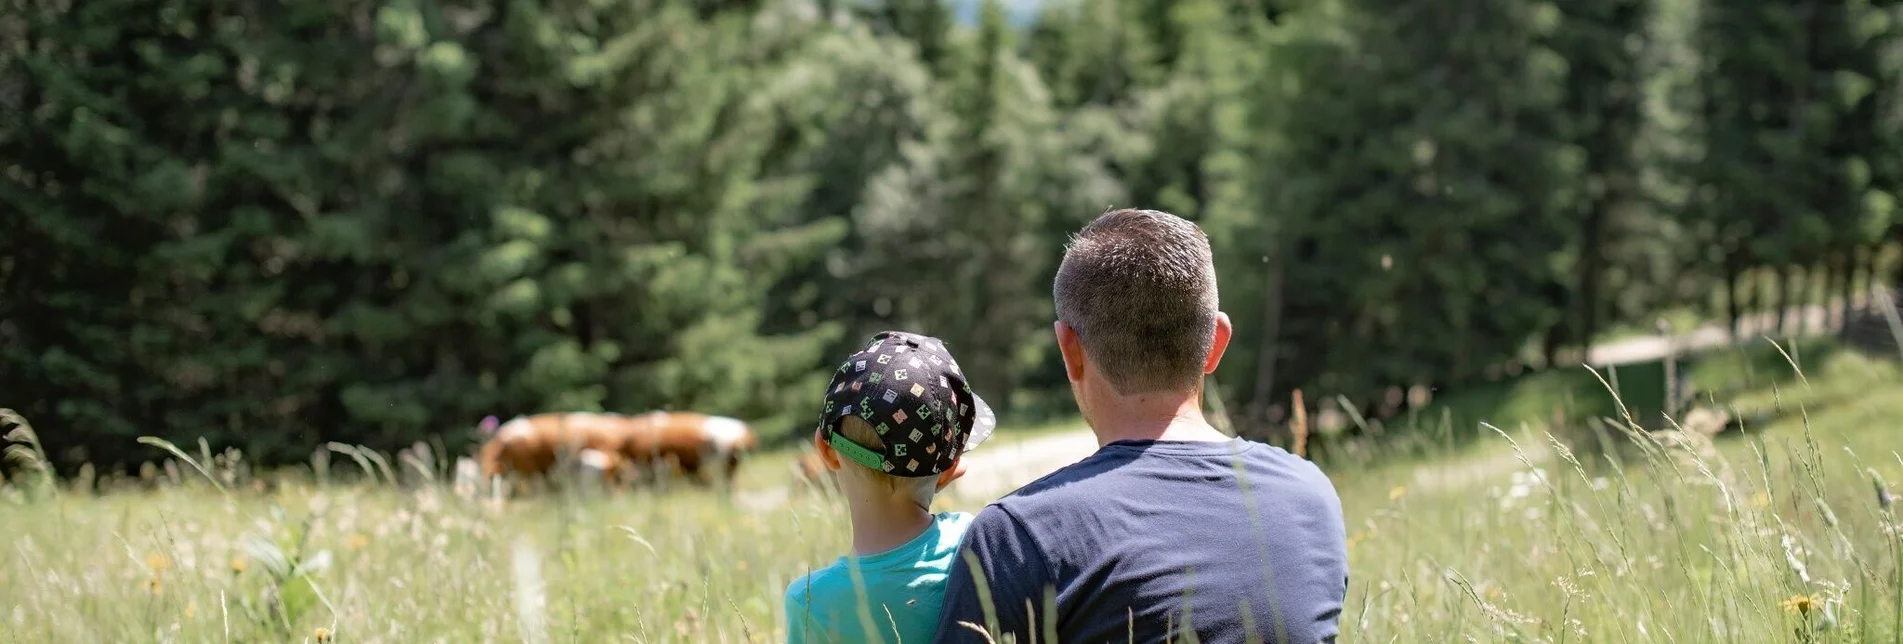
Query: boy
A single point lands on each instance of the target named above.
(898, 416)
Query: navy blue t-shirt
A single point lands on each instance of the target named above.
(1145, 539)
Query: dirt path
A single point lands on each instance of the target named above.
(1706, 337)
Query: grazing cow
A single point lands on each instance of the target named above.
(691, 442)
(531, 446)
(615, 445)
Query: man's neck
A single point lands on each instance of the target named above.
(882, 522)
(1163, 417)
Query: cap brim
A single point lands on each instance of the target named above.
(984, 422)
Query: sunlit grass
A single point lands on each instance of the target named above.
(180, 561)
(1778, 536)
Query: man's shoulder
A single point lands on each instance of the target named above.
(1107, 465)
(1294, 477)
(1115, 472)
(1272, 454)
(1074, 481)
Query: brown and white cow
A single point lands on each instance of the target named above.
(616, 445)
(704, 447)
(532, 446)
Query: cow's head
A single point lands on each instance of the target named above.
(489, 424)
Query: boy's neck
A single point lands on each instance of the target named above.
(882, 522)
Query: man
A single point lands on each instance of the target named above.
(1171, 531)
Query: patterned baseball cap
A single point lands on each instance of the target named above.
(908, 388)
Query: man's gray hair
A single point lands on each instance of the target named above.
(1139, 287)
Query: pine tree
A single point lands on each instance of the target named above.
(1752, 95)
(955, 239)
(1602, 43)
(1415, 169)
(264, 233)
(864, 116)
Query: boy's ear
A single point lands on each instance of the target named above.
(957, 470)
(827, 455)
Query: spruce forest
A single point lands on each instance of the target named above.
(272, 225)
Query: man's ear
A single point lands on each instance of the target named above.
(957, 470)
(827, 455)
(1071, 346)
(1223, 332)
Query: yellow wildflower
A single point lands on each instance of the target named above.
(1760, 500)
(323, 635)
(358, 541)
(239, 565)
(156, 562)
(1396, 493)
(1801, 604)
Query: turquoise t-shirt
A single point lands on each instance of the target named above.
(908, 582)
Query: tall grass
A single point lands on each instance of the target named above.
(1774, 536)
(1788, 532)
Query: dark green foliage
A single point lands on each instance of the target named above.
(366, 222)
(1794, 173)
(1601, 116)
(274, 226)
(1417, 251)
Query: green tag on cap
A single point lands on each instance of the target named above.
(856, 453)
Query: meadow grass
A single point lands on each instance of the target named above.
(1776, 535)
(1780, 534)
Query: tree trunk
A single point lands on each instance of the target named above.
(1269, 351)
(1896, 279)
(1549, 346)
(1732, 286)
(1591, 265)
(1823, 289)
(1799, 299)
(1780, 300)
(1836, 276)
(1863, 274)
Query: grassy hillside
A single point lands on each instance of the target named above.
(1778, 536)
